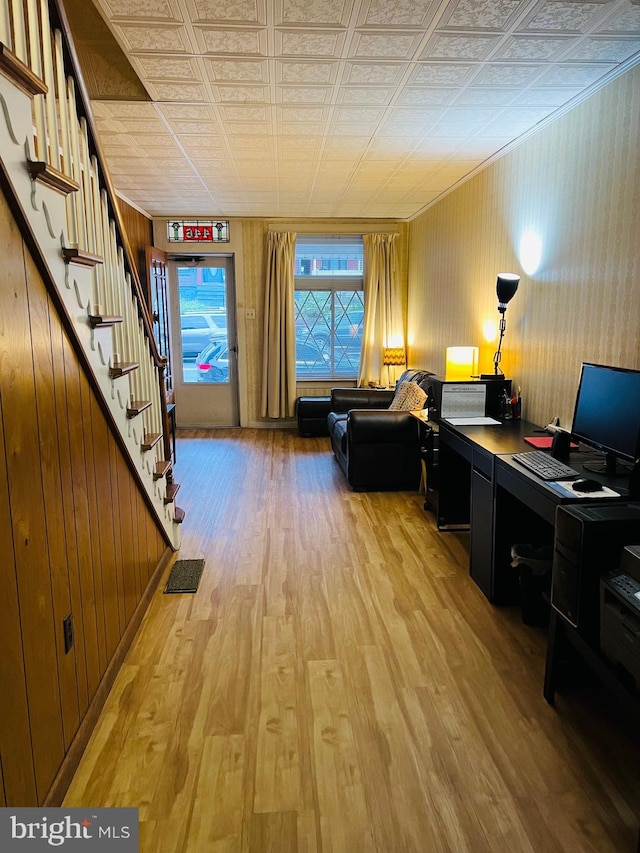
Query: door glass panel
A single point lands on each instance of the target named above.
(203, 323)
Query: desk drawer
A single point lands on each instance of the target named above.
(462, 446)
(531, 492)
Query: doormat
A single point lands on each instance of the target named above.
(184, 576)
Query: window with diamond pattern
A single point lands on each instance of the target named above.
(329, 306)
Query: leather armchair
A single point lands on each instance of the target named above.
(378, 449)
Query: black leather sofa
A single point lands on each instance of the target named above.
(377, 448)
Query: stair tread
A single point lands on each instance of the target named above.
(97, 321)
(161, 469)
(120, 368)
(179, 515)
(172, 491)
(150, 440)
(46, 174)
(80, 257)
(136, 407)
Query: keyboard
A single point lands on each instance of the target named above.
(545, 466)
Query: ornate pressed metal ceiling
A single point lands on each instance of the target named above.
(331, 108)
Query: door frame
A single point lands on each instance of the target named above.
(205, 405)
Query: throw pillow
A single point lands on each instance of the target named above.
(408, 397)
(397, 404)
(415, 397)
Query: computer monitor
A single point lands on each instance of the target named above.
(607, 413)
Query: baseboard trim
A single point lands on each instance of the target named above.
(273, 424)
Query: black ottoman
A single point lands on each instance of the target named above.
(312, 415)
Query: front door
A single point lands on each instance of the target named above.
(204, 346)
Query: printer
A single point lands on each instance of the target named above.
(620, 617)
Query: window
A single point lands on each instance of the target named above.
(329, 306)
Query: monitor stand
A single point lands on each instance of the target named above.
(610, 467)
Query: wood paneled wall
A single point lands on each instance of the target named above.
(139, 230)
(76, 535)
(576, 185)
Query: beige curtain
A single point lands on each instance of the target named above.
(383, 320)
(279, 353)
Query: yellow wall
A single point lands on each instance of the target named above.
(577, 184)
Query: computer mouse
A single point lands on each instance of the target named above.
(586, 485)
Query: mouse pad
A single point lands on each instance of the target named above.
(563, 487)
(543, 442)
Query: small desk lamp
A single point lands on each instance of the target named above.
(393, 356)
(461, 364)
(506, 287)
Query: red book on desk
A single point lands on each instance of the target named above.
(543, 442)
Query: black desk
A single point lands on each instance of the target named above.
(484, 489)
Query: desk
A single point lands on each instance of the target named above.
(502, 504)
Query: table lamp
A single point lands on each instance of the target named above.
(392, 357)
(506, 286)
(461, 364)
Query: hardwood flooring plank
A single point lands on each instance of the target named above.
(307, 841)
(392, 626)
(344, 819)
(397, 806)
(315, 627)
(227, 693)
(216, 823)
(276, 832)
(277, 778)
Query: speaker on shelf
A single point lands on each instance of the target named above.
(560, 445)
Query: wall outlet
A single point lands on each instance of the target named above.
(250, 313)
(67, 626)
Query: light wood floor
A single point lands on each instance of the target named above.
(338, 683)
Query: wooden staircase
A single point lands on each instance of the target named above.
(63, 200)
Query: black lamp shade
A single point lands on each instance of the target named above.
(506, 287)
